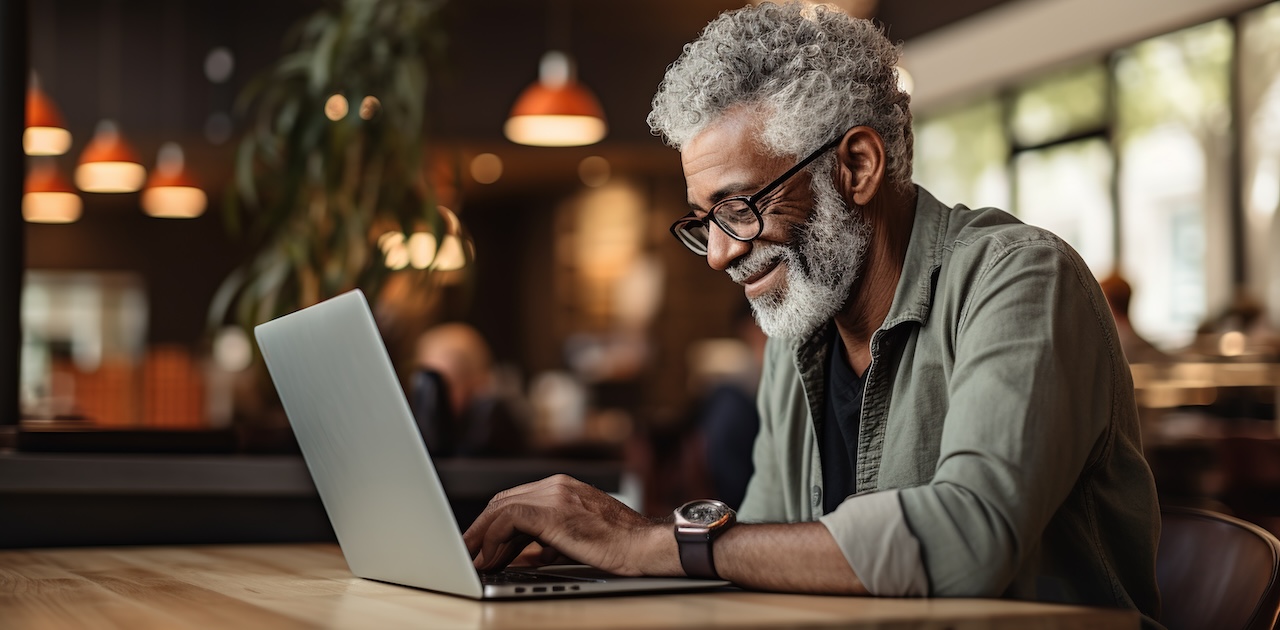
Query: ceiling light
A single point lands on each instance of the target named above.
(48, 197)
(369, 107)
(336, 107)
(394, 251)
(486, 168)
(171, 192)
(422, 249)
(218, 65)
(45, 134)
(108, 164)
(556, 111)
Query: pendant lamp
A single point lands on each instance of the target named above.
(171, 192)
(45, 134)
(48, 197)
(108, 164)
(556, 111)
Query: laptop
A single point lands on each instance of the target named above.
(369, 462)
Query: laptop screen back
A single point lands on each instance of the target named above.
(363, 448)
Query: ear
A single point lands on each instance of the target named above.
(861, 153)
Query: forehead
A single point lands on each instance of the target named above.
(727, 158)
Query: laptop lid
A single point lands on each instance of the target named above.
(364, 451)
(371, 467)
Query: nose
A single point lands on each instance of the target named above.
(723, 249)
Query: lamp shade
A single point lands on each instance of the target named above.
(171, 192)
(45, 134)
(108, 164)
(556, 111)
(48, 197)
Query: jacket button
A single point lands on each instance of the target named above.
(817, 496)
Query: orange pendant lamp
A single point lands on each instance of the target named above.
(45, 134)
(172, 193)
(48, 197)
(109, 164)
(556, 111)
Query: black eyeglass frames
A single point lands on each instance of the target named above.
(738, 216)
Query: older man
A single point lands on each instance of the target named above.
(945, 410)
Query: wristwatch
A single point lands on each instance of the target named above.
(698, 523)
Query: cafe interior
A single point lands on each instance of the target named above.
(483, 171)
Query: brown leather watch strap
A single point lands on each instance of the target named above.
(695, 553)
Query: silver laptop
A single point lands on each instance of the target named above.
(371, 466)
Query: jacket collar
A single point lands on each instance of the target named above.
(914, 296)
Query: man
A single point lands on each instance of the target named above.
(945, 410)
(474, 420)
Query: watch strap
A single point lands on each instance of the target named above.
(695, 553)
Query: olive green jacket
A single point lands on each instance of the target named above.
(999, 451)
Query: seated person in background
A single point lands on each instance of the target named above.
(726, 418)
(945, 409)
(1136, 349)
(457, 408)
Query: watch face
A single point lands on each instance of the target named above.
(704, 512)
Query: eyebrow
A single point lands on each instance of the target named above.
(732, 190)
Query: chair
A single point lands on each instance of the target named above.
(1216, 571)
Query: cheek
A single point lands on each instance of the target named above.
(784, 227)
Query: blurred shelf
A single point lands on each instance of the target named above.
(259, 475)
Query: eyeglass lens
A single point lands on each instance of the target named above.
(734, 216)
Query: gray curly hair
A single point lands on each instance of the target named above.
(815, 71)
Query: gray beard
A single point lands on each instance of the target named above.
(823, 261)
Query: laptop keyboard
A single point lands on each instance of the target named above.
(522, 577)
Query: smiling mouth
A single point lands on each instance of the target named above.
(762, 273)
(758, 284)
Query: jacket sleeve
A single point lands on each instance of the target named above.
(1031, 398)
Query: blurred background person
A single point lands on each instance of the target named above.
(456, 400)
(1137, 349)
(726, 421)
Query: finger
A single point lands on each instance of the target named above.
(510, 532)
(549, 555)
(475, 534)
(503, 554)
(530, 556)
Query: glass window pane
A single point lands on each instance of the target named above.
(1060, 105)
(1173, 140)
(1066, 189)
(961, 156)
(1260, 108)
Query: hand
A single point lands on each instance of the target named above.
(577, 520)
(536, 555)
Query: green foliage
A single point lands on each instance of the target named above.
(309, 192)
(1181, 78)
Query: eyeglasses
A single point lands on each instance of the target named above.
(740, 216)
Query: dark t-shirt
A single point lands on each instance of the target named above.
(838, 441)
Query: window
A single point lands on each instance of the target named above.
(1131, 162)
(1260, 159)
(1066, 189)
(962, 156)
(1173, 123)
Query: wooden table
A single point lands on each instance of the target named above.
(309, 586)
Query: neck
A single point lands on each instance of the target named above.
(890, 214)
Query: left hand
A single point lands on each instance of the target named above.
(577, 520)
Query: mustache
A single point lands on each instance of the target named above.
(761, 257)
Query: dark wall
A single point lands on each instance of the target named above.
(181, 261)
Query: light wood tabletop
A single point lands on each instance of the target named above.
(309, 586)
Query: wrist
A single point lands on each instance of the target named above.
(662, 555)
